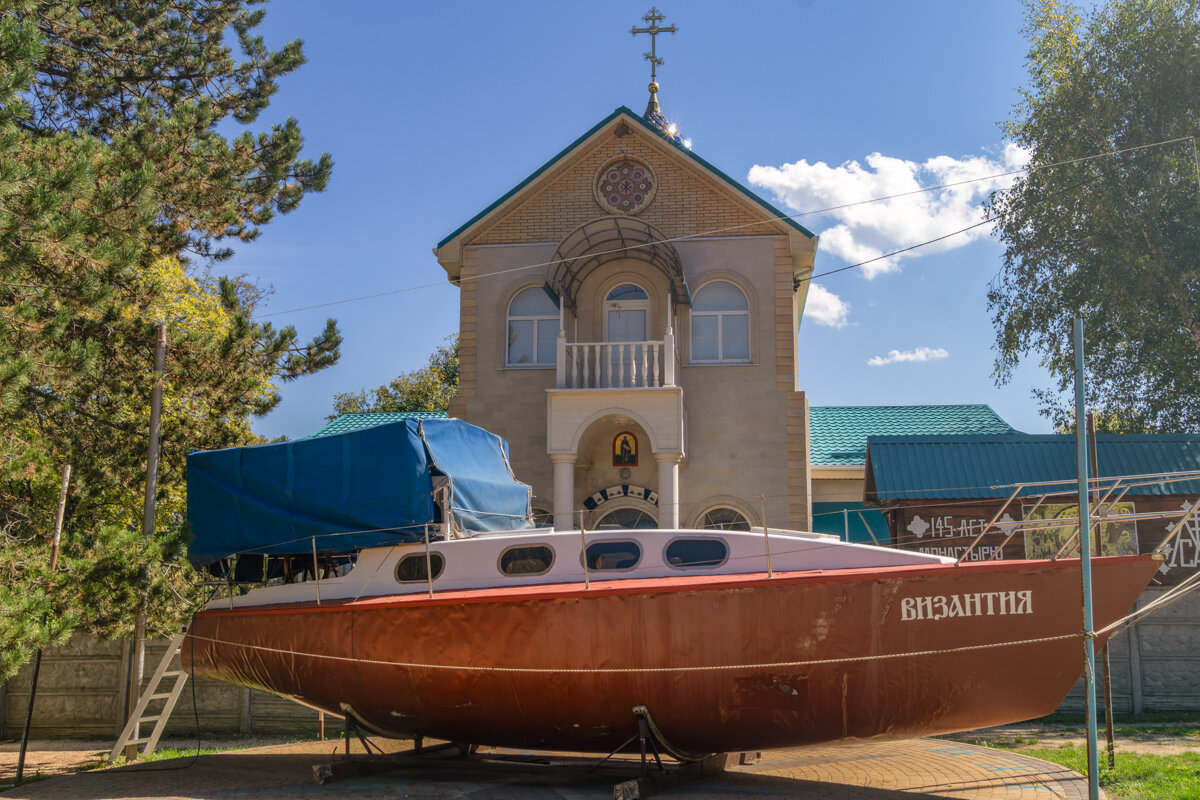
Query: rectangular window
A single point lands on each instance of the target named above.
(520, 342)
(704, 338)
(735, 337)
(547, 340)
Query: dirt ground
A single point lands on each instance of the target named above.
(843, 771)
(46, 757)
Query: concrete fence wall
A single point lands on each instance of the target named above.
(81, 694)
(1155, 665)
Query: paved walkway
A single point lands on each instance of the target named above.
(921, 768)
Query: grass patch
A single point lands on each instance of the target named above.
(1153, 732)
(1137, 776)
(25, 781)
(1178, 724)
(217, 744)
(1145, 718)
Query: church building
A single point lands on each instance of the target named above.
(628, 322)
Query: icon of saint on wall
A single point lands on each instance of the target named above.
(625, 450)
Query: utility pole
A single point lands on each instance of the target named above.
(138, 667)
(37, 659)
(1105, 660)
(1085, 561)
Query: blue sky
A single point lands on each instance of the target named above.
(433, 110)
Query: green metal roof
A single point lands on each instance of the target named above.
(638, 119)
(369, 419)
(838, 434)
(951, 467)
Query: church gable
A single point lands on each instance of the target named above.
(680, 195)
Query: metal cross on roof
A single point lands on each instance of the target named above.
(654, 16)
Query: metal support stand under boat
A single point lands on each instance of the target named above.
(349, 766)
(375, 762)
(692, 766)
(465, 758)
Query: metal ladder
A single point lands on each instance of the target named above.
(132, 734)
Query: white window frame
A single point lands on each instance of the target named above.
(537, 320)
(720, 316)
(626, 305)
(699, 525)
(617, 504)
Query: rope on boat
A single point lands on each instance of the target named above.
(1168, 598)
(1174, 595)
(628, 670)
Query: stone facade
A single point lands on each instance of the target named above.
(688, 202)
(727, 435)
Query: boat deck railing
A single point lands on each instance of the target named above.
(1107, 493)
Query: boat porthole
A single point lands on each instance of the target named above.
(531, 559)
(623, 554)
(695, 553)
(411, 568)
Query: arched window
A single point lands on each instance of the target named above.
(723, 518)
(626, 518)
(720, 324)
(532, 329)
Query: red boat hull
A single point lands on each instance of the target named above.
(724, 663)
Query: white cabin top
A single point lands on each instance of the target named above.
(545, 556)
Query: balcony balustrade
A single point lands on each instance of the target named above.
(616, 365)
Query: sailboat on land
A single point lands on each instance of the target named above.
(434, 608)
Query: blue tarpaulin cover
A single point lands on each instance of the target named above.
(359, 489)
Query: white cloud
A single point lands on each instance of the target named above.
(861, 232)
(897, 356)
(825, 308)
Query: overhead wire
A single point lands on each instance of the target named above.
(758, 223)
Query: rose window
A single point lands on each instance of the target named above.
(625, 186)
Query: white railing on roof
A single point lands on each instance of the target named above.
(616, 365)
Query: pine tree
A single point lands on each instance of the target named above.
(116, 192)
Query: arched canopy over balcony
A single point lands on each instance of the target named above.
(609, 238)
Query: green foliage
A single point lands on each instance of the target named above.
(111, 172)
(1111, 239)
(1137, 776)
(427, 389)
(154, 79)
(1150, 720)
